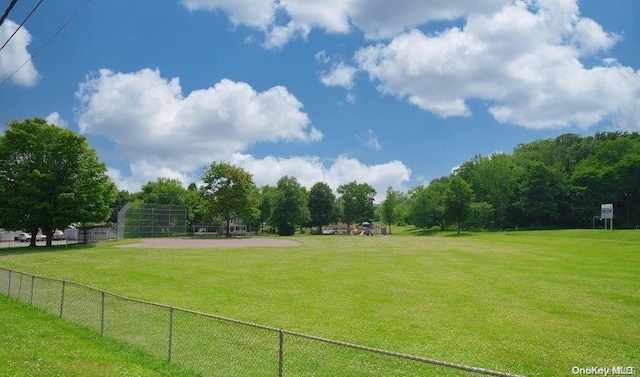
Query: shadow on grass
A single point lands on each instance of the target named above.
(423, 232)
(437, 233)
(463, 234)
(21, 250)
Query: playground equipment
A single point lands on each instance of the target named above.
(359, 229)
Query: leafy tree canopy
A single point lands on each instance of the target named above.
(230, 192)
(290, 204)
(267, 201)
(50, 178)
(388, 207)
(357, 202)
(170, 191)
(458, 199)
(321, 205)
(426, 206)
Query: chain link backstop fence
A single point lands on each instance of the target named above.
(143, 220)
(214, 345)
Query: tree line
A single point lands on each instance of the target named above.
(228, 193)
(551, 183)
(50, 177)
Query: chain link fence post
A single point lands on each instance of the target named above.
(102, 314)
(280, 352)
(20, 287)
(33, 280)
(170, 345)
(62, 298)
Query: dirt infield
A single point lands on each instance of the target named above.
(200, 243)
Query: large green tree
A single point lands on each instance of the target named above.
(163, 191)
(321, 205)
(539, 190)
(357, 202)
(426, 206)
(196, 205)
(267, 201)
(50, 178)
(171, 191)
(230, 193)
(493, 181)
(388, 210)
(290, 206)
(458, 198)
(480, 216)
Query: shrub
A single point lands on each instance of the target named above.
(286, 230)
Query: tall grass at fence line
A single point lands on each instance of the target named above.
(143, 325)
(46, 295)
(534, 303)
(308, 357)
(82, 306)
(35, 343)
(223, 348)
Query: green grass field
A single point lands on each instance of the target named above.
(39, 344)
(532, 303)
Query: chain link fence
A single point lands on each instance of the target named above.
(143, 220)
(214, 345)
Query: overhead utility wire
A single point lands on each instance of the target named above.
(6, 12)
(47, 42)
(19, 27)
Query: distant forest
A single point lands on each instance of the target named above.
(552, 183)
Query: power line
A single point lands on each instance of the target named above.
(19, 27)
(6, 12)
(47, 42)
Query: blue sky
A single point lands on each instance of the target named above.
(388, 93)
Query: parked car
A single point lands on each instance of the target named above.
(23, 237)
(26, 237)
(58, 235)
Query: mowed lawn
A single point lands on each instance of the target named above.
(533, 303)
(39, 344)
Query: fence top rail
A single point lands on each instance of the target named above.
(463, 367)
(402, 355)
(168, 307)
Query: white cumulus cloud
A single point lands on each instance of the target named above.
(523, 60)
(310, 170)
(254, 13)
(143, 172)
(55, 118)
(153, 123)
(280, 35)
(284, 20)
(15, 54)
(385, 19)
(341, 74)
